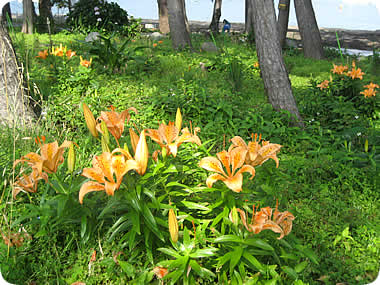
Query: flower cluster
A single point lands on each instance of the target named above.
(109, 168)
(40, 164)
(354, 73)
(370, 91)
(239, 158)
(156, 44)
(281, 222)
(62, 51)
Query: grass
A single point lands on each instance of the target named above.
(326, 178)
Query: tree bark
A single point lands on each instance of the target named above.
(276, 80)
(308, 27)
(14, 104)
(185, 16)
(27, 25)
(44, 7)
(249, 17)
(6, 10)
(178, 31)
(214, 26)
(163, 16)
(282, 21)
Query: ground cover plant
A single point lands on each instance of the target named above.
(153, 169)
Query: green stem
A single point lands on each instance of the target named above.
(340, 50)
(59, 183)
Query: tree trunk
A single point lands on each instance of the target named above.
(27, 25)
(185, 16)
(6, 13)
(274, 74)
(14, 105)
(69, 5)
(282, 21)
(307, 25)
(249, 17)
(178, 32)
(214, 26)
(163, 16)
(44, 7)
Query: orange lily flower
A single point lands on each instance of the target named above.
(70, 53)
(369, 92)
(49, 160)
(167, 136)
(257, 154)
(140, 162)
(29, 182)
(160, 271)
(154, 45)
(160, 42)
(115, 121)
(355, 72)
(339, 69)
(105, 167)
(232, 161)
(58, 51)
(43, 54)
(262, 220)
(371, 86)
(323, 85)
(85, 63)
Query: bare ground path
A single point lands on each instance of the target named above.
(350, 39)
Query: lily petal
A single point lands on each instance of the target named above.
(235, 183)
(88, 187)
(213, 178)
(237, 158)
(212, 164)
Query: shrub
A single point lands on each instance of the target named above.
(97, 15)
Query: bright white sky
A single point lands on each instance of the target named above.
(349, 14)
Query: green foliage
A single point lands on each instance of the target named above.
(98, 15)
(112, 55)
(326, 178)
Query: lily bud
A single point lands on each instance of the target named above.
(106, 134)
(173, 226)
(178, 119)
(105, 147)
(164, 152)
(366, 146)
(71, 159)
(134, 139)
(90, 120)
(142, 154)
(234, 217)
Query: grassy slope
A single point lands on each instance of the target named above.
(326, 195)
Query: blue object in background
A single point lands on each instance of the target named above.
(226, 26)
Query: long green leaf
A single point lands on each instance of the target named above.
(235, 258)
(253, 261)
(228, 238)
(169, 251)
(290, 271)
(259, 243)
(204, 252)
(195, 206)
(151, 222)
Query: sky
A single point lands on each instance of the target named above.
(347, 14)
